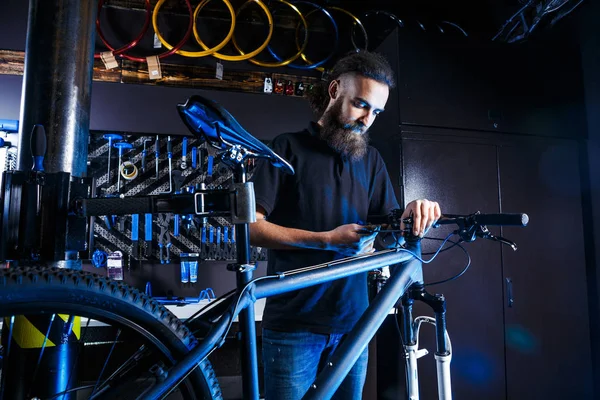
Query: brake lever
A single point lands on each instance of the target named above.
(484, 233)
(502, 240)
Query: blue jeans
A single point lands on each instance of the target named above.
(292, 361)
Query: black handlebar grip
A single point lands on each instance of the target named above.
(115, 206)
(501, 219)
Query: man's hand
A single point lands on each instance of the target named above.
(424, 213)
(351, 239)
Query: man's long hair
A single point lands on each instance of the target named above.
(364, 63)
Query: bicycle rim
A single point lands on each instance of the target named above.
(124, 342)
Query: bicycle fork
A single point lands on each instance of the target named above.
(443, 354)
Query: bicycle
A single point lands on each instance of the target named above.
(169, 356)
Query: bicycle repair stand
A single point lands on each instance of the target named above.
(443, 354)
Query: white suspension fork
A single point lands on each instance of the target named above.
(413, 353)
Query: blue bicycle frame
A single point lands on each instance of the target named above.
(345, 356)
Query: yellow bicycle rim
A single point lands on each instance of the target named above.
(207, 51)
(252, 53)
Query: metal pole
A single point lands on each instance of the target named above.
(247, 322)
(57, 82)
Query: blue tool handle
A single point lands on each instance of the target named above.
(218, 235)
(38, 147)
(157, 147)
(225, 234)
(135, 227)
(169, 148)
(122, 146)
(9, 125)
(194, 157)
(211, 235)
(184, 147)
(232, 233)
(203, 234)
(209, 169)
(148, 227)
(177, 220)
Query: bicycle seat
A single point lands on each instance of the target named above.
(209, 120)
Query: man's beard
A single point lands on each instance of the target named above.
(348, 139)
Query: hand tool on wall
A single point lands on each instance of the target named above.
(184, 144)
(148, 234)
(211, 243)
(226, 242)
(194, 157)
(170, 157)
(164, 239)
(135, 236)
(209, 169)
(157, 154)
(145, 154)
(177, 182)
(203, 249)
(121, 146)
(233, 251)
(202, 156)
(111, 137)
(219, 250)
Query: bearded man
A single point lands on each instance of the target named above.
(313, 217)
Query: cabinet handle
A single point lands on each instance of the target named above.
(509, 292)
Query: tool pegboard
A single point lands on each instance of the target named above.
(149, 165)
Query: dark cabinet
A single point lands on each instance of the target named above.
(538, 347)
(534, 88)
(547, 332)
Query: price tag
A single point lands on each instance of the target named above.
(154, 70)
(157, 43)
(219, 73)
(114, 266)
(109, 60)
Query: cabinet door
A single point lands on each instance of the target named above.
(462, 176)
(547, 327)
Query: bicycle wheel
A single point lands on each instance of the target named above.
(146, 338)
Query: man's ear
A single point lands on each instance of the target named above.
(334, 89)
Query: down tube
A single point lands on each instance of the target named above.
(357, 340)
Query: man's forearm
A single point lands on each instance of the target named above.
(266, 234)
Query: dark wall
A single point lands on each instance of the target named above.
(590, 45)
(151, 109)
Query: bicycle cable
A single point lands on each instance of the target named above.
(457, 275)
(209, 306)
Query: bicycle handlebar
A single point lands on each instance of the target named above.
(485, 219)
(472, 220)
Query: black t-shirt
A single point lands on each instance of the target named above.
(326, 191)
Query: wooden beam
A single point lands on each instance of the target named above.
(203, 77)
(13, 62)
(185, 76)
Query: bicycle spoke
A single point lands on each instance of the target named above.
(79, 342)
(126, 367)
(6, 354)
(106, 361)
(39, 361)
